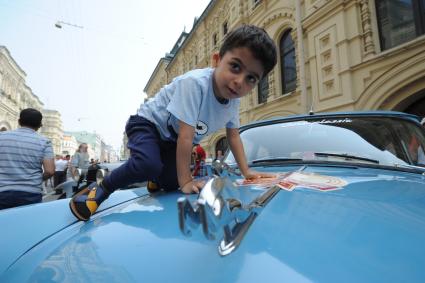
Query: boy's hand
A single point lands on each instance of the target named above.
(193, 186)
(251, 174)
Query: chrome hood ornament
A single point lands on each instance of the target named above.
(220, 212)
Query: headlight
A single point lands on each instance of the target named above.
(76, 174)
(100, 175)
(79, 174)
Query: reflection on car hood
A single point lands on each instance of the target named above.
(371, 230)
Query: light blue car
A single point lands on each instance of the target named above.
(347, 204)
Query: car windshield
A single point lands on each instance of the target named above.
(379, 140)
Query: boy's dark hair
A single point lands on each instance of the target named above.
(256, 40)
(30, 118)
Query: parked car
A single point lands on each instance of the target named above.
(84, 178)
(346, 204)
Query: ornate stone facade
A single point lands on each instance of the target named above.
(15, 95)
(52, 129)
(345, 66)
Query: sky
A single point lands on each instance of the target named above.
(94, 69)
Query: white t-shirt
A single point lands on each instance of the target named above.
(60, 164)
(190, 98)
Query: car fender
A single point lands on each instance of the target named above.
(22, 225)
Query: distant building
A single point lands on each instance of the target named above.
(69, 144)
(52, 129)
(93, 140)
(125, 152)
(110, 155)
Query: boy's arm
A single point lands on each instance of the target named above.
(183, 154)
(237, 149)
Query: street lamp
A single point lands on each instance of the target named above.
(59, 24)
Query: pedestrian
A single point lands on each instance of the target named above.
(60, 170)
(80, 160)
(199, 156)
(193, 105)
(26, 159)
(219, 155)
(68, 174)
(48, 183)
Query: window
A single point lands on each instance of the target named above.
(287, 63)
(225, 28)
(214, 39)
(399, 21)
(263, 90)
(222, 146)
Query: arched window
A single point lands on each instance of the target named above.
(222, 146)
(263, 90)
(214, 40)
(287, 63)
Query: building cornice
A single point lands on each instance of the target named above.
(33, 95)
(163, 60)
(325, 11)
(12, 62)
(204, 14)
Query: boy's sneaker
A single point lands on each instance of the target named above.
(85, 203)
(152, 186)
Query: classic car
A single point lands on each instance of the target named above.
(345, 203)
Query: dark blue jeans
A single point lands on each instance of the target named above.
(9, 199)
(151, 158)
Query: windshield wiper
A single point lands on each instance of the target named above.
(347, 156)
(274, 159)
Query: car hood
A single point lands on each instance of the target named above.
(370, 230)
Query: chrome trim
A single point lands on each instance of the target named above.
(233, 239)
(101, 174)
(222, 169)
(77, 174)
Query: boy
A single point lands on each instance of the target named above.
(200, 102)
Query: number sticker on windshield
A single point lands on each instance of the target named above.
(311, 181)
(291, 181)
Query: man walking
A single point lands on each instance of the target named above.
(60, 167)
(23, 156)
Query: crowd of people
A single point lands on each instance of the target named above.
(27, 162)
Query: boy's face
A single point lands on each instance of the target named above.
(237, 73)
